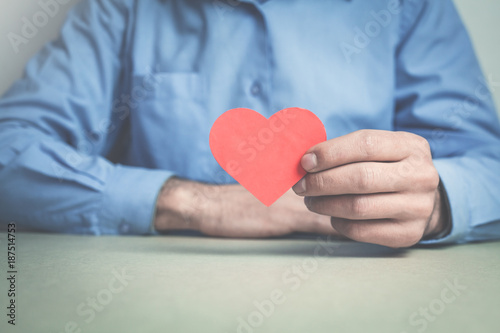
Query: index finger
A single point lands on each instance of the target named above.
(360, 146)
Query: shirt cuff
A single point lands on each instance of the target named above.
(129, 200)
(456, 188)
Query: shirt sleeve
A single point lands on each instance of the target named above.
(55, 125)
(442, 95)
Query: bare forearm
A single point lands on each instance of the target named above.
(231, 211)
(180, 204)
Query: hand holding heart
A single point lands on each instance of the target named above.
(378, 186)
(372, 186)
(263, 155)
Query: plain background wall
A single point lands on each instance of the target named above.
(480, 16)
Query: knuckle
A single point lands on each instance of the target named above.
(315, 183)
(360, 206)
(422, 207)
(369, 143)
(405, 169)
(422, 145)
(434, 179)
(430, 179)
(367, 178)
(325, 154)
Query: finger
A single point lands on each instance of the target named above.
(383, 232)
(372, 206)
(358, 178)
(320, 225)
(363, 146)
(300, 218)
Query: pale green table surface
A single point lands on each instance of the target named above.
(194, 284)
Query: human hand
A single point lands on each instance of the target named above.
(378, 187)
(231, 211)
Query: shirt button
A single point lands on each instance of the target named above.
(124, 228)
(256, 88)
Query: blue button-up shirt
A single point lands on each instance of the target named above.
(125, 99)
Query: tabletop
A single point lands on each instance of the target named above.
(67, 283)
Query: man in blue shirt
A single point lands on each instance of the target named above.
(107, 132)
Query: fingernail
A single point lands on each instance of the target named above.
(309, 161)
(300, 187)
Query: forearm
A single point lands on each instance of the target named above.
(181, 205)
(231, 211)
(189, 205)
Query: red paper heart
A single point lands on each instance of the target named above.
(263, 155)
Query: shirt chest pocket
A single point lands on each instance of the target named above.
(169, 121)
